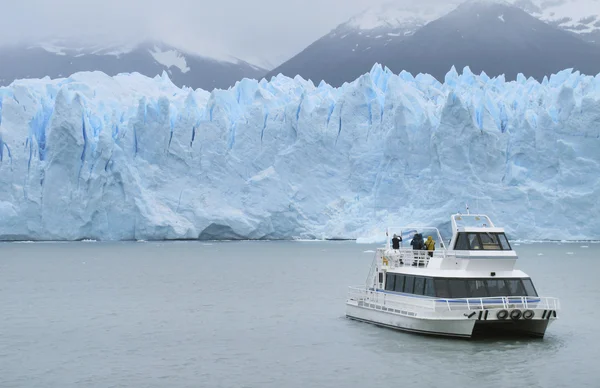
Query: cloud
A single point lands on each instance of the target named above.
(255, 30)
(266, 29)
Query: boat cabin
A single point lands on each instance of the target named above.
(446, 287)
(477, 232)
(477, 262)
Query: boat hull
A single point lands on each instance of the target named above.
(533, 328)
(458, 327)
(462, 328)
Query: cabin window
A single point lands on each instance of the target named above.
(482, 241)
(474, 241)
(497, 288)
(529, 288)
(419, 286)
(482, 288)
(515, 287)
(409, 282)
(389, 281)
(399, 283)
(458, 288)
(476, 288)
(462, 243)
(429, 288)
(490, 241)
(441, 288)
(504, 242)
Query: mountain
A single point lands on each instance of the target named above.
(364, 36)
(580, 17)
(131, 157)
(498, 38)
(61, 59)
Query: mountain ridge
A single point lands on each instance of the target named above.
(420, 51)
(58, 59)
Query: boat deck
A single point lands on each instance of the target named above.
(381, 300)
(407, 257)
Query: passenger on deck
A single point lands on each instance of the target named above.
(418, 245)
(430, 245)
(417, 242)
(396, 242)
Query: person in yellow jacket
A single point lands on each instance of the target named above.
(430, 245)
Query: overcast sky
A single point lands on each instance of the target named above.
(254, 30)
(250, 29)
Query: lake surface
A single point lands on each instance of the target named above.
(262, 314)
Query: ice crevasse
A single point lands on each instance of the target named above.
(131, 157)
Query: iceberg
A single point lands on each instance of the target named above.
(93, 157)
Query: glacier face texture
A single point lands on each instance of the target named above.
(130, 157)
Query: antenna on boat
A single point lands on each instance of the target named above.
(467, 205)
(387, 238)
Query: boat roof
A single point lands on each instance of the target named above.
(469, 221)
(458, 274)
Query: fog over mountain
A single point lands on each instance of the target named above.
(533, 38)
(264, 33)
(59, 59)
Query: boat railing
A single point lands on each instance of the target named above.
(387, 301)
(383, 301)
(407, 257)
(504, 302)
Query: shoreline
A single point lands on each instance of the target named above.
(518, 242)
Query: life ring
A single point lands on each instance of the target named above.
(502, 314)
(385, 261)
(528, 314)
(515, 315)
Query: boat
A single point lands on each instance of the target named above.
(468, 288)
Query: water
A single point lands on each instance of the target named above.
(261, 314)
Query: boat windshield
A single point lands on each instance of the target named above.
(472, 221)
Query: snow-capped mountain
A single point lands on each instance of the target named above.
(408, 17)
(389, 34)
(578, 16)
(581, 17)
(58, 59)
(363, 36)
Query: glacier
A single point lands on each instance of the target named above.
(136, 158)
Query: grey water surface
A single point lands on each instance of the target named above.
(262, 314)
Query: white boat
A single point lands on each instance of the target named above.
(466, 289)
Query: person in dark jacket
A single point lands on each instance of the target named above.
(417, 242)
(418, 245)
(396, 242)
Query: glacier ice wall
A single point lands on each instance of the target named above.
(131, 157)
